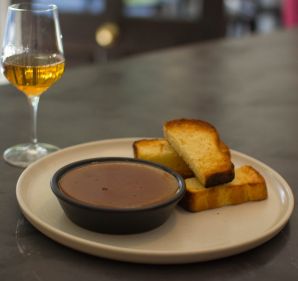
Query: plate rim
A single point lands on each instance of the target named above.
(194, 255)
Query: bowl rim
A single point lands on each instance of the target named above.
(181, 189)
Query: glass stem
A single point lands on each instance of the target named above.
(33, 103)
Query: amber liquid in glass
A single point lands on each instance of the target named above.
(33, 73)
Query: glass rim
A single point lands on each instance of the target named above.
(29, 7)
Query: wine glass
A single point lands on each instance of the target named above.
(32, 60)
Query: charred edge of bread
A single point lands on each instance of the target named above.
(224, 176)
(219, 178)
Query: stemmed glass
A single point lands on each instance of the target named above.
(32, 60)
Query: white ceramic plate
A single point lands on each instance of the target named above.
(185, 237)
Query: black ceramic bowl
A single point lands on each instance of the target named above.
(113, 219)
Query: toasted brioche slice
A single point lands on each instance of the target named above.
(248, 185)
(159, 151)
(198, 144)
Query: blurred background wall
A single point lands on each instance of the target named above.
(105, 30)
(3, 8)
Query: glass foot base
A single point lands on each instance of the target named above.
(22, 155)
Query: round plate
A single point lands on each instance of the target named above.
(185, 237)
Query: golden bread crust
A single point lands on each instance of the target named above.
(194, 149)
(159, 151)
(248, 185)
